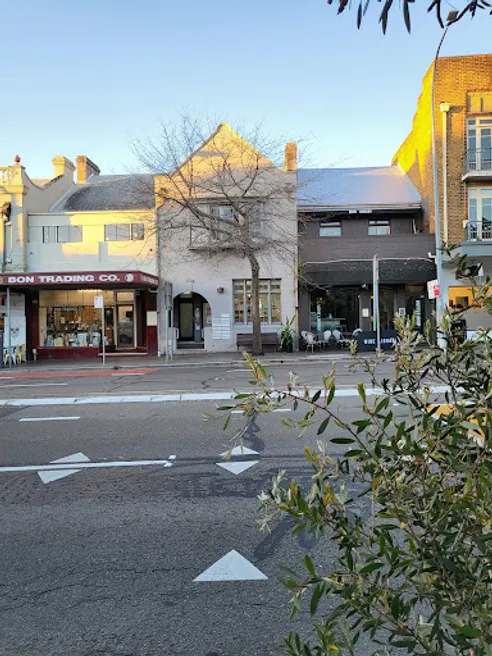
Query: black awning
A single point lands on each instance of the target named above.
(359, 272)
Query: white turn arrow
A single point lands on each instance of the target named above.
(231, 567)
(238, 467)
(76, 462)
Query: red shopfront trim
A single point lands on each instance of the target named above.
(79, 279)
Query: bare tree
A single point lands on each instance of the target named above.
(219, 195)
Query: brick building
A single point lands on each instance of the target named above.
(463, 110)
(346, 216)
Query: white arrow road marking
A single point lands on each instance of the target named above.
(240, 451)
(237, 467)
(65, 466)
(49, 419)
(232, 567)
(54, 474)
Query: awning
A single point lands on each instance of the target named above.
(359, 272)
(80, 279)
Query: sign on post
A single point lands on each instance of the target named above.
(99, 304)
(433, 290)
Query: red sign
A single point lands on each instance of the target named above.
(81, 279)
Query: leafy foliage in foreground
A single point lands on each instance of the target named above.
(416, 573)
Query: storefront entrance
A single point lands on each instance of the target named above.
(62, 321)
(191, 313)
(125, 330)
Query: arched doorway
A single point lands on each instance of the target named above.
(191, 313)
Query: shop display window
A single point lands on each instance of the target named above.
(67, 318)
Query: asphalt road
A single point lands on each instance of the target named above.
(206, 378)
(102, 562)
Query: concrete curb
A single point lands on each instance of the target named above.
(314, 360)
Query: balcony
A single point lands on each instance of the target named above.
(477, 164)
(478, 239)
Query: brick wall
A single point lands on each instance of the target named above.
(456, 77)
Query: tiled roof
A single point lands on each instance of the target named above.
(109, 192)
(384, 186)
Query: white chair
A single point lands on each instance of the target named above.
(326, 337)
(9, 356)
(310, 342)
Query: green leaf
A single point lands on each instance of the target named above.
(468, 632)
(295, 405)
(342, 440)
(322, 427)
(316, 396)
(317, 594)
(409, 643)
(309, 565)
(331, 394)
(226, 423)
(370, 568)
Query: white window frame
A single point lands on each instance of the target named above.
(75, 234)
(330, 225)
(244, 292)
(129, 229)
(477, 227)
(478, 160)
(381, 228)
(49, 234)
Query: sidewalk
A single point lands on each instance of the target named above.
(185, 360)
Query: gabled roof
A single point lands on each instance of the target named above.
(385, 187)
(109, 192)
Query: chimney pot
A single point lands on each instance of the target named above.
(85, 168)
(291, 156)
(63, 166)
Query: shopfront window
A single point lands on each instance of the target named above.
(67, 318)
(270, 309)
(337, 307)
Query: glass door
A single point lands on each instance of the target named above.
(125, 326)
(186, 327)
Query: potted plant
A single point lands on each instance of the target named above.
(287, 335)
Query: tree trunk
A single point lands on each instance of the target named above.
(255, 305)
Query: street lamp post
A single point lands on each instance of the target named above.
(452, 16)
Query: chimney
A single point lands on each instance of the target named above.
(291, 156)
(63, 166)
(85, 168)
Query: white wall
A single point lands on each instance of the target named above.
(26, 197)
(93, 253)
(204, 273)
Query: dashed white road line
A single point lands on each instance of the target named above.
(131, 374)
(49, 419)
(39, 385)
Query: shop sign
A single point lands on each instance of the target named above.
(102, 278)
(433, 290)
(367, 340)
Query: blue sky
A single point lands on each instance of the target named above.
(88, 77)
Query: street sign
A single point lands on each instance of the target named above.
(433, 290)
(99, 302)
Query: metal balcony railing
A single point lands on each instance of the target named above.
(479, 231)
(478, 160)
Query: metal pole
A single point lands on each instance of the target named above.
(9, 337)
(437, 217)
(375, 284)
(103, 334)
(166, 331)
